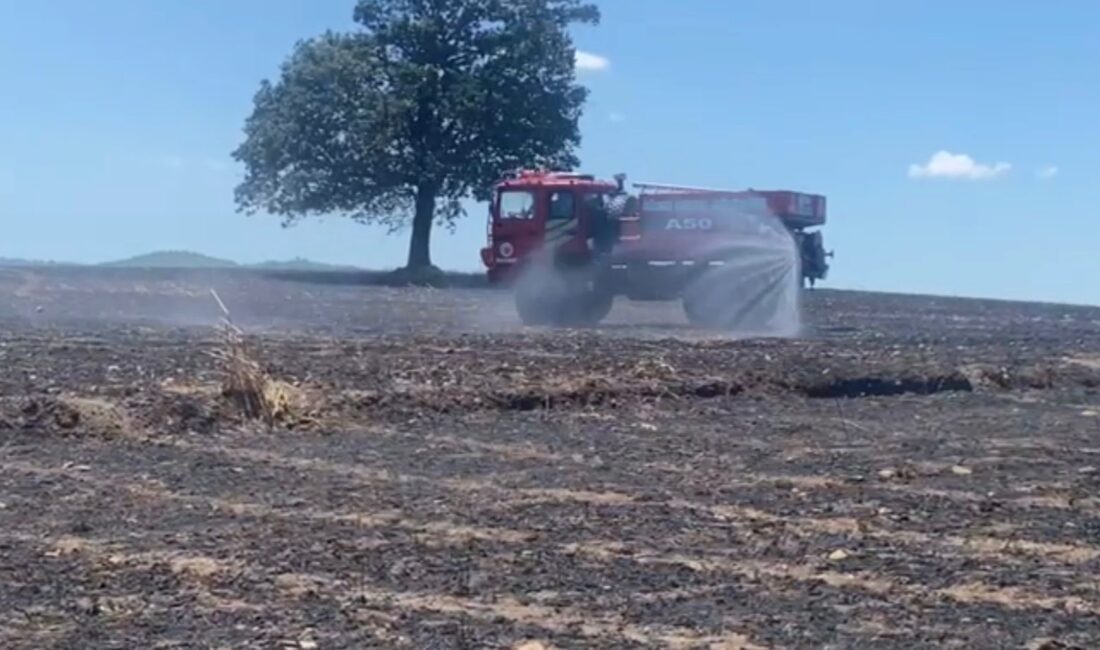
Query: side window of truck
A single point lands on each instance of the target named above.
(561, 206)
(517, 205)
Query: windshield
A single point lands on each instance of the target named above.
(517, 204)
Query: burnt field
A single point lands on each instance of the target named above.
(913, 473)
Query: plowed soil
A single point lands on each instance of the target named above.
(912, 473)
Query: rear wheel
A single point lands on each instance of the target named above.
(697, 314)
(726, 298)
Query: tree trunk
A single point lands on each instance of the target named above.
(420, 256)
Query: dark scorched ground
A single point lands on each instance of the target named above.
(914, 472)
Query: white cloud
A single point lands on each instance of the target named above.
(588, 61)
(615, 117)
(216, 165)
(944, 164)
(1050, 171)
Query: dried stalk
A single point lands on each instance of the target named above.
(244, 382)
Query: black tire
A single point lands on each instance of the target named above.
(531, 311)
(560, 299)
(697, 314)
(587, 308)
(699, 300)
(712, 301)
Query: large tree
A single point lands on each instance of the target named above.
(426, 104)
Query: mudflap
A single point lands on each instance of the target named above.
(813, 257)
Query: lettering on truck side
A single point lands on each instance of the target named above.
(689, 224)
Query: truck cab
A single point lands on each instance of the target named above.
(542, 212)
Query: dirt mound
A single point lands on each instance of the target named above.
(179, 408)
(69, 415)
(202, 410)
(207, 408)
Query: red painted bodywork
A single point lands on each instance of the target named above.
(525, 236)
(645, 237)
(650, 237)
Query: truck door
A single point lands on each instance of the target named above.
(562, 225)
(515, 229)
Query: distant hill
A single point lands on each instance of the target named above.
(192, 260)
(173, 260)
(10, 261)
(299, 264)
(189, 260)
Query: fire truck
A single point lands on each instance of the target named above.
(569, 243)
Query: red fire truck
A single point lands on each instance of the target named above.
(569, 243)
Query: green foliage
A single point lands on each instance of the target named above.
(425, 105)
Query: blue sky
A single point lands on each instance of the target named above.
(117, 118)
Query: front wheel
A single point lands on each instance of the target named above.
(588, 307)
(561, 299)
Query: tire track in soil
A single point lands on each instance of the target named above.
(996, 548)
(740, 517)
(842, 527)
(833, 525)
(200, 569)
(866, 489)
(978, 545)
(436, 531)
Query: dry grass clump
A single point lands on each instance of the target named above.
(245, 383)
(651, 369)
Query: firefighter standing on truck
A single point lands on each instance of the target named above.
(604, 214)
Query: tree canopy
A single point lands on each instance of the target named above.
(429, 102)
